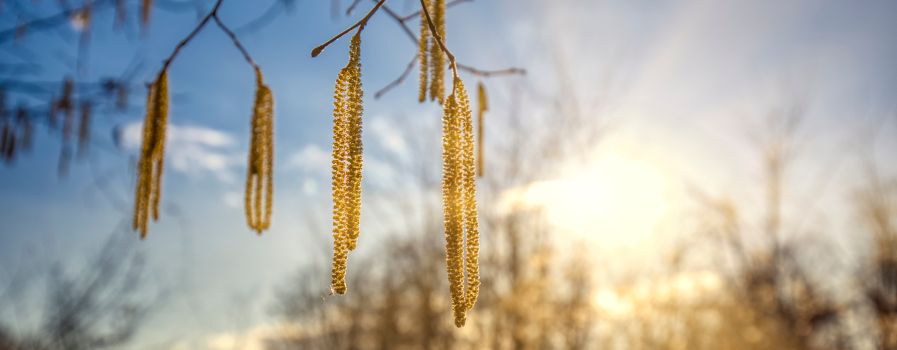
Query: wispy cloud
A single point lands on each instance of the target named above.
(194, 150)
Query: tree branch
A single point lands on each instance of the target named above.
(362, 23)
(398, 81)
(236, 42)
(489, 73)
(417, 13)
(187, 39)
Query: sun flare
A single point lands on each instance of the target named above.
(619, 203)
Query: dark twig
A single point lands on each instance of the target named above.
(352, 7)
(416, 14)
(489, 73)
(398, 81)
(236, 42)
(401, 23)
(49, 22)
(187, 39)
(362, 22)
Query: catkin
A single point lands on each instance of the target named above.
(437, 57)
(149, 176)
(260, 170)
(347, 163)
(482, 106)
(459, 203)
(423, 54)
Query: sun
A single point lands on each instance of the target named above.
(619, 203)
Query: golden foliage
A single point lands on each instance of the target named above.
(347, 163)
(459, 201)
(149, 177)
(260, 170)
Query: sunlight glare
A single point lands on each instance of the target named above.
(618, 204)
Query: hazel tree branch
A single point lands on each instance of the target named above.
(236, 41)
(192, 34)
(489, 73)
(417, 13)
(401, 79)
(362, 23)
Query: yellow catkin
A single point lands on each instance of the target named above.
(347, 163)
(459, 202)
(423, 53)
(259, 177)
(437, 57)
(482, 107)
(355, 110)
(150, 166)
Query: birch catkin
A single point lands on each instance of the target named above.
(437, 57)
(347, 163)
(149, 176)
(423, 53)
(260, 170)
(459, 203)
(482, 106)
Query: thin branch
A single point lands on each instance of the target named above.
(261, 21)
(489, 73)
(49, 22)
(236, 42)
(187, 39)
(401, 23)
(398, 81)
(352, 7)
(416, 14)
(362, 22)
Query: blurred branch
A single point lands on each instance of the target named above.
(51, 21)
(400, 80)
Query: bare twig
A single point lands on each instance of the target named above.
(51, 21)
(417, 13)
(236, 42)
(362, 22)
(192, 34)
(401, 23)
(352, 7)
(400, 80)
(489, 73)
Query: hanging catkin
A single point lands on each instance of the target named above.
(459, 202)
(260, 170)
(347, 163)
(149, 175)
(423, 53)
(482, 106)
(437, 57)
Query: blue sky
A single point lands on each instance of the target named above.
(678, 79)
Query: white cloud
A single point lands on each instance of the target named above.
(390, 137)
(311, 158)
(193, 149)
